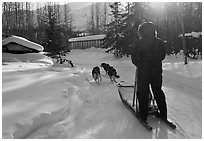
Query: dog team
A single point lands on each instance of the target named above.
(110, 71)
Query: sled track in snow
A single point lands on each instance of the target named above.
(44, 120)
(179, 129)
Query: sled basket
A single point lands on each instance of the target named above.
(126, 93)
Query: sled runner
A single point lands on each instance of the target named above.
(127, 93)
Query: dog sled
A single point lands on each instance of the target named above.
(127, 93)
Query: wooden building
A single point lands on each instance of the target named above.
(87, 42)
(20, 45)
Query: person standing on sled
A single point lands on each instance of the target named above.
(147, 56)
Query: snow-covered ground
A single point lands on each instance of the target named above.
(63, 102)
(21, 62)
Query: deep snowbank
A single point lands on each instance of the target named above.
(36, 101)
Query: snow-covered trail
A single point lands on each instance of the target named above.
(67, 103)
(183, 88)
(176, 89)
(104, 116)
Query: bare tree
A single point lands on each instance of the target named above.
(5, 16)
(105, 15)
(91, 22)
(97, 17)
(180, 15)
(67, 16)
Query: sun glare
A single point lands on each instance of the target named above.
(156, 5)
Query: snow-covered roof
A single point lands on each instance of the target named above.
(88, 38)
(193, 34)
(22, 41)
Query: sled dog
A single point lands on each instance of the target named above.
(96, 74)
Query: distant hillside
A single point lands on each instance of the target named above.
(79, 5)
(81, 12)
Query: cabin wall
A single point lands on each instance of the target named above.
(17, 49)
(86, 44)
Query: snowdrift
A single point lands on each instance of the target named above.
(19, 62)
(46, 101)
(29, 57)
(193, 34)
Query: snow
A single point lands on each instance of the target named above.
(193, 34)
(22, 41)
(59, 102)
(88, 38)
(19, 62)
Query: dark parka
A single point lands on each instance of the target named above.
(148, 59)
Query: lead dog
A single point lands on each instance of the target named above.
(112, 73)
(105, 67)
